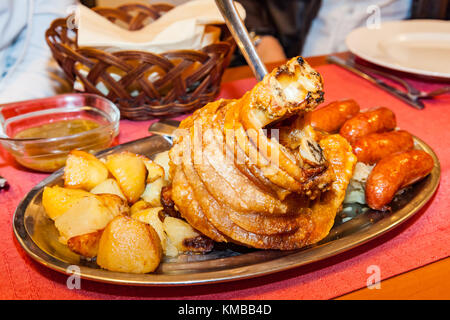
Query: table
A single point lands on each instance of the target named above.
(23, 278)
(428, 282)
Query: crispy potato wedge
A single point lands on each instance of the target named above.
(185, 238)
(152, 192)
(85, 216)
(128, 245)
(109, 186)
(57, 200)
(115, 204)
(85, 244)
(141, 205)
(130, 172)
(144, 212)
(170, 250)
(155, 171)
(163, 159)
(151, 216)
(83, 171)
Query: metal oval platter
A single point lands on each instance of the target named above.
(354, 226)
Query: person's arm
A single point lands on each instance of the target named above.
(258, 22)
(270, 50)
(281, 25)
(36, 74)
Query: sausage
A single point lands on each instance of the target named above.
(373, 121)
(394, 173)
(372, 148)
(331, 117)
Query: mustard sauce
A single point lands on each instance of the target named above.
(57, 129)
(48, 156)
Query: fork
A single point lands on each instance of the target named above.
(413, 93)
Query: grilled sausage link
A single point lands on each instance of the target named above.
(372, 148)
(331, 117)
(373, 121)
(394, 173)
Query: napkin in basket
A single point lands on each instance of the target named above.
(187, 26)
(181, 28)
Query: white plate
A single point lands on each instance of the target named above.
(420, 47)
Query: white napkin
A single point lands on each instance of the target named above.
(181, 28)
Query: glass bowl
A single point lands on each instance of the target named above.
(47, 152)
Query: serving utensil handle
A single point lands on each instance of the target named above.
(242, 38)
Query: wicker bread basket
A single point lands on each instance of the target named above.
(186, 79)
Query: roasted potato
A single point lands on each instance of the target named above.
(185, 238)
(152, 192)
(162, 159)
(155, 182)
(85, 216)
(154, 170)
(108, 186)
(84, 171)
(57, 200)
(142, 211)
(130, 172)
(128, 245)
(85, 244)
(170, 249)
(151, 216)
(115, 204)
(141, 205)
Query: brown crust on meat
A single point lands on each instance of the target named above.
(199, 244)
(248, 199)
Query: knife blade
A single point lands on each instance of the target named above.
(164, 127)
(377, 82)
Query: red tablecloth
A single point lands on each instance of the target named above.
(422, 239)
